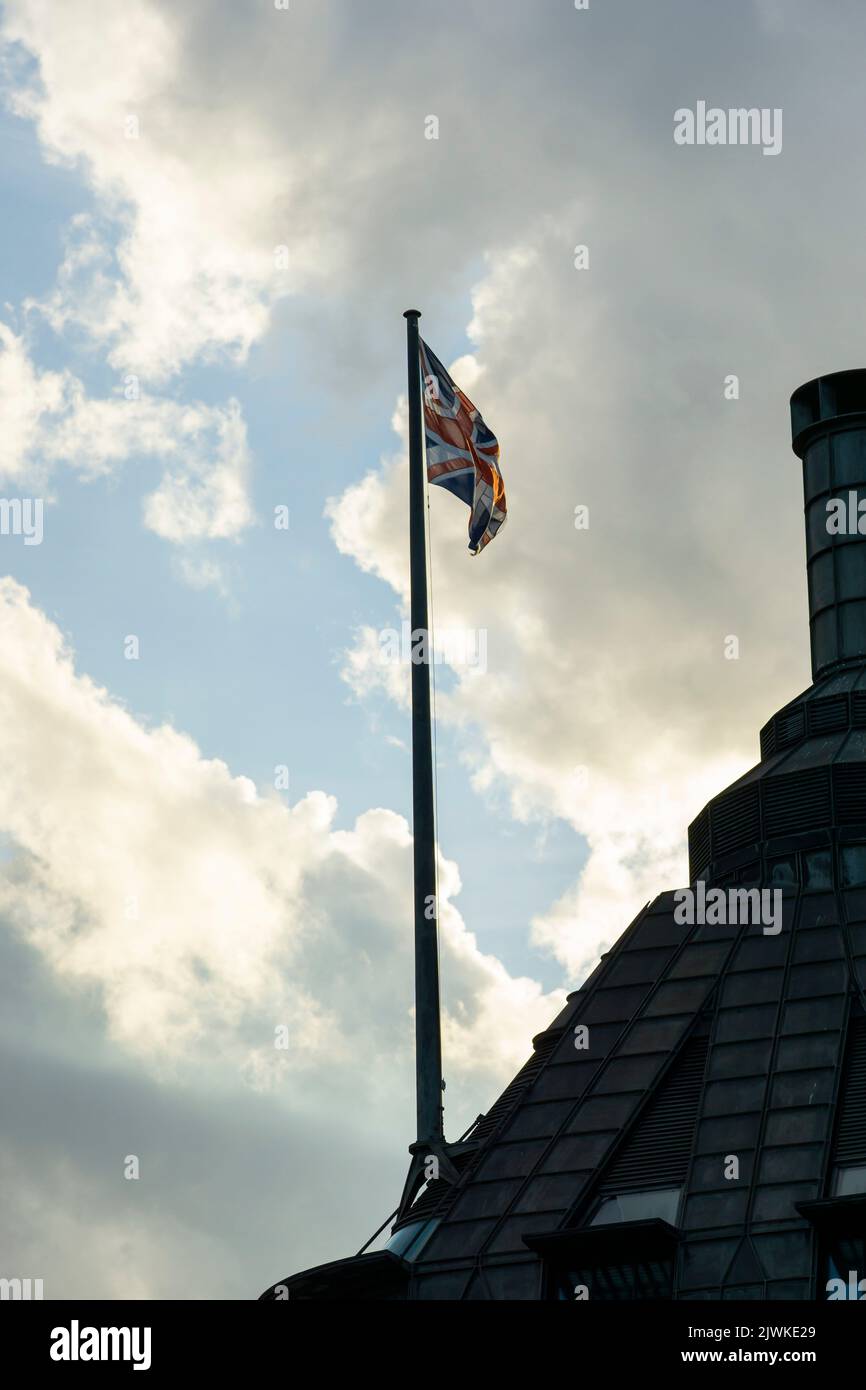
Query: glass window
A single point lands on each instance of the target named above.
(853, 866)
(843, 1261)
(751, 873)
(655, 1202)
(818, 868)
(614, 1283)
(410, 1240)
(848, 1181)
(782, 872)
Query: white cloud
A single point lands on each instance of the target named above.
(255, 177)
(207, 499)
(29, 401)
(206, 914)
(604, 702)
(203, 494)
(178, 261)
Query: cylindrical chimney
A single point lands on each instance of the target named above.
(828, 425)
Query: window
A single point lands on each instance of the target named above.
(850, 1180)
(614, 1283)
(660, 1203)
(840, 1219)
(853, 866)
(818, 868)
(410, 1240)
(612, 1264)
(782, 872)
(843, 1266)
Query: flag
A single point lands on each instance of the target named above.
(462, 453)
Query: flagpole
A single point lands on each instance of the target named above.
(428, 1041)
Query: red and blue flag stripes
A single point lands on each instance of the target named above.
(462, 453)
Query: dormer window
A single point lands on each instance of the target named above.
(849, 1181)
(661, 1203)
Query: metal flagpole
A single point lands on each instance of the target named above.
(428, 1041)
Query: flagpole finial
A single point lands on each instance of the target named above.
(412, 313)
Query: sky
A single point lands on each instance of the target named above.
(214, 217)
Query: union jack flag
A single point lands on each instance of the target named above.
(462, 453)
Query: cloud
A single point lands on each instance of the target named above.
(174, 263)
(207, 914)
(207, 498)
(179, 918)
(203, 494)
(608, 701)
(31, 401)
(229, 174)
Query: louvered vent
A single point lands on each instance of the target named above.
(828, 715)
(768, 739)
(438, 1197)
(790, 727)
(699, 844)
(858, 708)
(525, 1078)
(849, 791)
(850, 1146)
(800, 801)
(657, 1149)
(736, 820)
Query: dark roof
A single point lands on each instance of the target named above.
(761, 1022)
